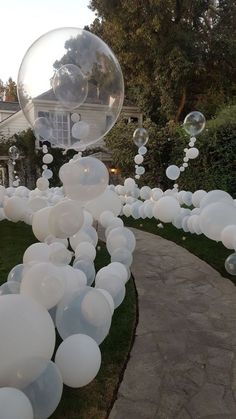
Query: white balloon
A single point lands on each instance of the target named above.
(38, 252)
(138, 159)
(173, 172)
(66, 218)
(192, 153)
(216, 196)
(78, 359)
(42, 184)
(215, 217)
(85, 250)
(14, 404)
(84, 179)
(40, 224)
(197, 197)
(44, 283)
(26, 331)
(108, 201)
(228, 236)
(47, 158)
(15, 208)
(166, 209)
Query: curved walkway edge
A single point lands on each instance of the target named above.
(182, 364)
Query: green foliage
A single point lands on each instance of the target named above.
(176, 55)
(213, 169)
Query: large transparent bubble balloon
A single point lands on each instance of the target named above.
(194, 123)
(80, 83)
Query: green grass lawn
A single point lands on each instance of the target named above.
(94, 400)
(208, 250)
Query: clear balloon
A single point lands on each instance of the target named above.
(70, 86)
(230, 264)
(140, 137)
(80, 74)
(194, 123)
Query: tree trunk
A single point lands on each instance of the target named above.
(181, 105)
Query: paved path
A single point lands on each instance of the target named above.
(183, 363)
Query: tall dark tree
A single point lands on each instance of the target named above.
(176, 55)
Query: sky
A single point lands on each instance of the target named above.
(24, 21)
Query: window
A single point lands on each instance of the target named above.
(61, 127)
(132, 119)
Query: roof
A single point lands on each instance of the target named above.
(49, 95)
(9, 106)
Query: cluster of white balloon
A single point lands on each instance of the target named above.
(45, 291)
(140, 139)
(53, 285)
(14, 155)
(194, 124)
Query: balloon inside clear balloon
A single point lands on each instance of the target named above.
(194, 123)
(80, 85)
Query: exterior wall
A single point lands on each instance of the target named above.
(4, 115)
(94, 115)
(14, 125)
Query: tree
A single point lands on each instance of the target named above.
(1, 89)
(176, 55)
(10, 91)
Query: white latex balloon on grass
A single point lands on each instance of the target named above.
(228, 236)
(15, 208)
(86, 312)
(45, 391)
(40, 224)
(84, 179)
(166, 209)
(26, 331)
(112, 283)
(66, 218)
(14, 404)
(44, 283)
(108, 201)
(120, 237)
(78, 359)
(85, 250)
(38, 252)
(216, 195)
(215, 217)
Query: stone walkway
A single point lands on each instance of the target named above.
(183, 363)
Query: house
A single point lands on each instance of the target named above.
(13, 121)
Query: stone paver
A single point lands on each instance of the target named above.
(182, 364)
